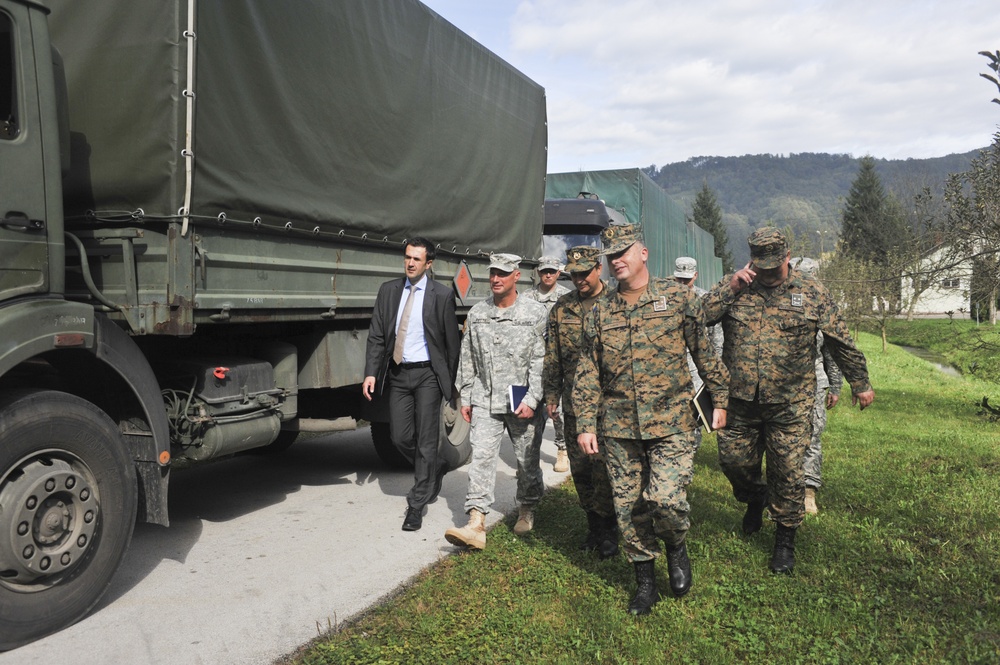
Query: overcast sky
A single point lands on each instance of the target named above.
(631, 83)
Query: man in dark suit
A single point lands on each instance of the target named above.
(413, 347)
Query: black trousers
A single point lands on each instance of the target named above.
(414, 425)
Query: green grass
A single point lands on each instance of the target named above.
(901, 565)
(973, 349)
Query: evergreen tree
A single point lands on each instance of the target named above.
(873, 224)
(707, 214)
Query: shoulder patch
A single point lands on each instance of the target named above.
(796, 300)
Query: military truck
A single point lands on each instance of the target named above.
(199, 201)
(632, 193)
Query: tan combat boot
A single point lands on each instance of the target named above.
(525, 520)
(472, 535)
(562, 462)
(811, 507)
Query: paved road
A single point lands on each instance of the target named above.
(264, 553)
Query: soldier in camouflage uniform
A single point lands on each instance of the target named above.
(548, 291)
(563, 345)
(686, 273)
(829, 380)
(633, 390)
(503, 345)
(770, 315)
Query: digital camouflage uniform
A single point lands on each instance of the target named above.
(714, 336)
(828, 379)
(502, 347)
(549, 300)
(563, 346)
(770, 350)
(634, 391)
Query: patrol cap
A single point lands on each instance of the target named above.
(619, 237)
(685, 267)
(805, 264)
(505, 262)
(768, 247)
(583, 258)
(549, 263)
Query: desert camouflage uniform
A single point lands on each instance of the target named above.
(770, 350)
(502, 347)
(828, 378)
(633, 390)
(549, 300)
(563, 346)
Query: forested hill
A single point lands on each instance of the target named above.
(805, 191)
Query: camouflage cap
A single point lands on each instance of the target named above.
(549, 263)
(768, 247)
(505, 262)
(685, 267)
(619, 237)
(583, 258)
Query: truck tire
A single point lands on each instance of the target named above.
(453, 441)
(67, 510)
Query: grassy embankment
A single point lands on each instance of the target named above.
(901, 566)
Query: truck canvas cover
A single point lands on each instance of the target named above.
(376, 118)
(664, 226)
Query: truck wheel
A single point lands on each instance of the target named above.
(384, 448)
(453, 440)
(67, 510)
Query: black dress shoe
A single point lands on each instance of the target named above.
(413, 520)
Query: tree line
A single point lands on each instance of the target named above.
(902, 227)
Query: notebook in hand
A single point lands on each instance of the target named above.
(516, 394)
(703, 408)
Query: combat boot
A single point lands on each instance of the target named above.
(472, 535)
(646, 594)
(608, 545)
(811, 507)
(679, 568)
(595, 532)
(753, 518)
(562, 462)
(783, 559)
(525, 520)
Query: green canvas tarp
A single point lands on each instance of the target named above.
(665, 230)
(378, 118)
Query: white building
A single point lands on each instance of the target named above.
(949, 291)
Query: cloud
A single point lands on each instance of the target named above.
(641, 81)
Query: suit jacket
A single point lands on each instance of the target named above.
(440, 332)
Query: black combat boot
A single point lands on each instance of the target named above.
(783, 559)
(608, 546)
(679, 568)
(753, 518)
(646, 595)
(595, 532)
